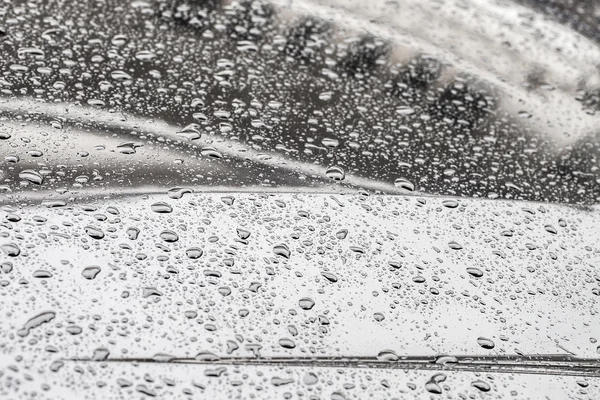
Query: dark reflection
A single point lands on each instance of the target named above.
(234, 84)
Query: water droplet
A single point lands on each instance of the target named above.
(151, 291)
(282, 250)
(310, 378)
(42, 273)
(32, 176)
(450, 203)
(485, 343)
(330, 142)
(161, 207)
(90, 272)
(36, 321)
(133, 233)
(177, 192)
(476, 272)
(287, 343)
(481, 385)
(342, 234)
(432, 386)
(335, 173)
(11, 249)
(211, 152)
(387, 355)
(94, 232)
(194, 253)
(306, 303)
(119, 75)
(454, 246)
(404, 184)
(550, 229)
(330, 277)
(243, 234)
(169, 236)
(207, 356)
(100, 354)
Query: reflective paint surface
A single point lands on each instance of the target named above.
(299, 199)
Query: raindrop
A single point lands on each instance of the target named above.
(161, 208)
(194, 253)
(243, 234)
(41, 273)
(11, 249)
(404, 184)
(133, 233)
(100, 354)
(330, 277)
(177, 193)
(387, 355)
(454, 246)
(282, 250)
(476, 272)
(450, 203)
(330, 142)
(306, 303)
(169, 236)
(342, 234)
(310, 378)
(335, 173)
(90, 272)
(94, 232)
(30, 175)
(207, 356)
(481, 385)
(211, 152)
(432, 386)
(287, 343)
(485, 343)
(36, 321)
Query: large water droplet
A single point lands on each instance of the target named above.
(36, 321)
(32, 176)
(91, 272)
(485, 343)
(404, 184)
(306, 303)
(11, 249)
(161, 207)
(282, 250)
(335, 173)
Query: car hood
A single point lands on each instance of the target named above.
(298, 200)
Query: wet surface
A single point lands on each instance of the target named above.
(299, 199)
(264, 282)
(146, 96)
